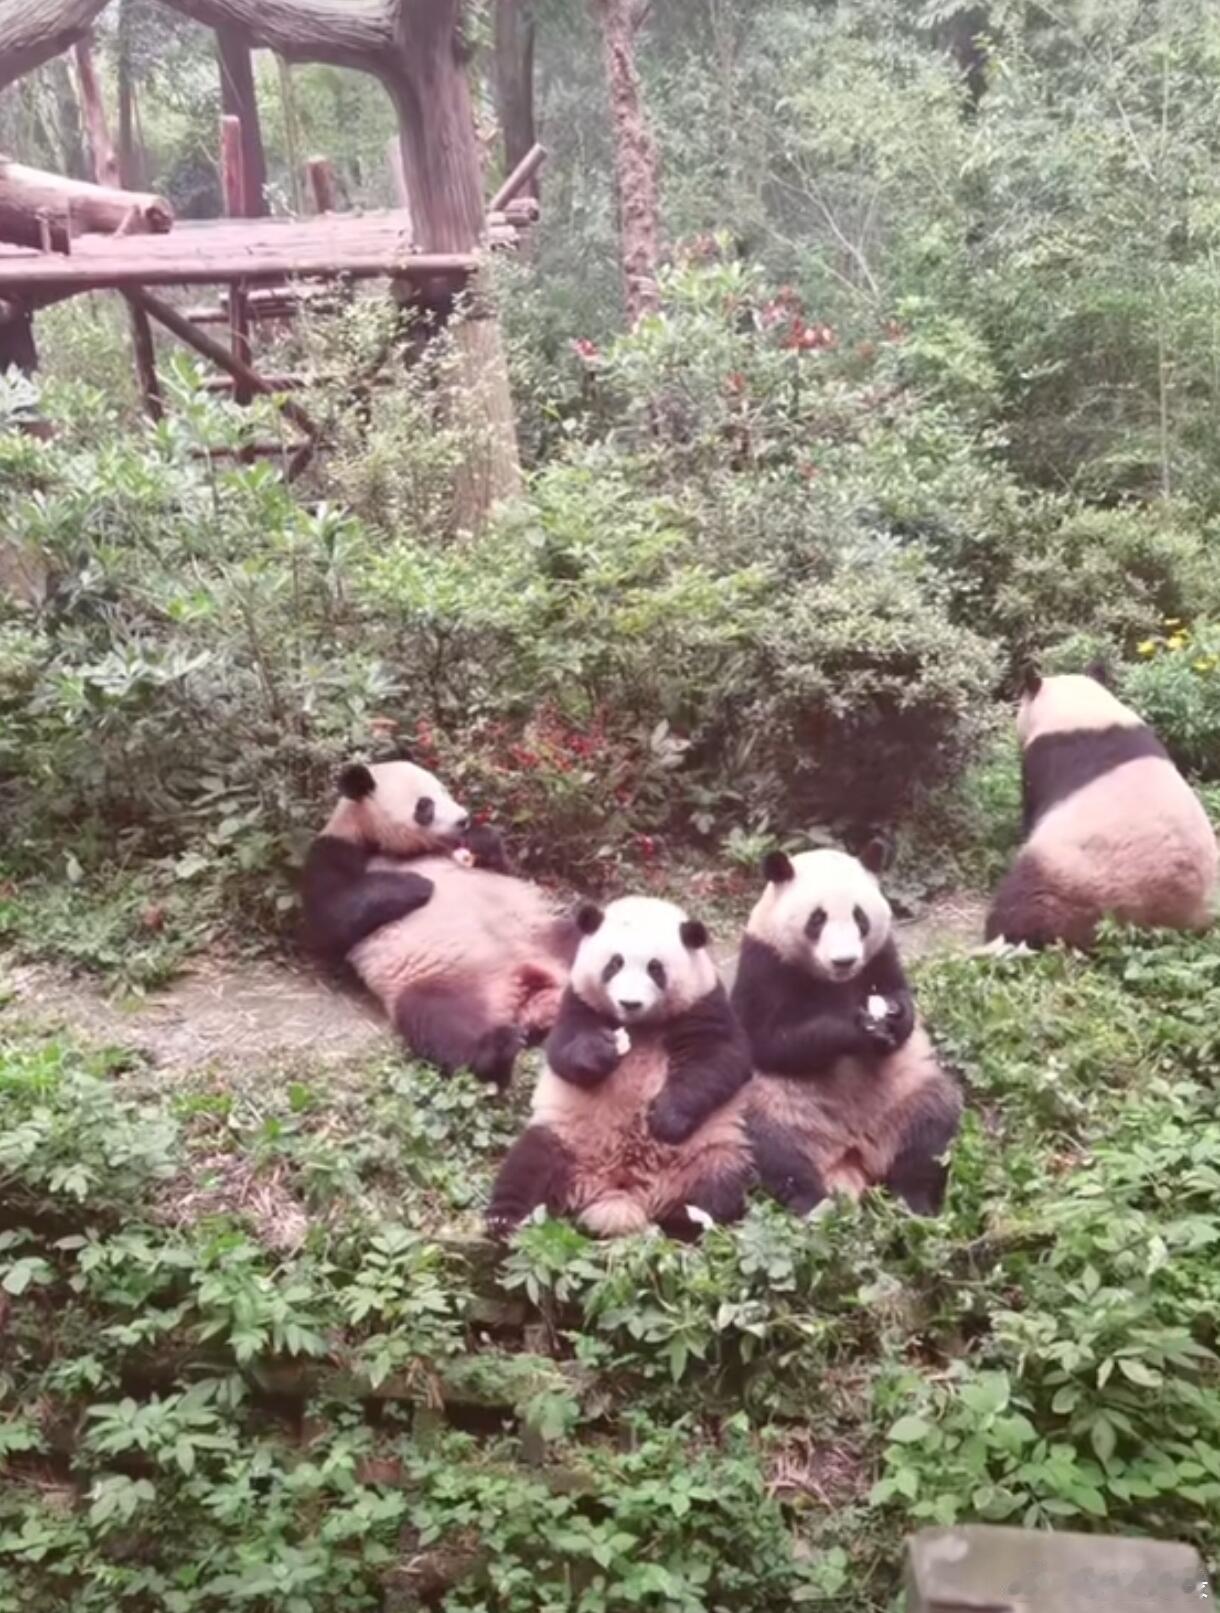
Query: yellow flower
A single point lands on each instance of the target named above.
(1173, 621)
(1148, 647)
(1205, 663)
(1177, 641)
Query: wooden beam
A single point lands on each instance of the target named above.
(264, 249)
(521, 175)
(220, 355)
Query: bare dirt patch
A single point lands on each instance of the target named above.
(222, 1013)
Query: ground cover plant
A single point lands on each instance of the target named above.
(257, 1353)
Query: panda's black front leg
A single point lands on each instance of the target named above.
(709, 1063)
(925, 1127)
(537, 1170)
(784, 1169)
(722, 1198)
(343, 903)
(582, 1047)
(487, 848)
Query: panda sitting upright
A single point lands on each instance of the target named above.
(468, 961)
(1111, 827)
(848, 1092)
(639, 1115)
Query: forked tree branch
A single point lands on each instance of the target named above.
(346, 33)
(35, 31)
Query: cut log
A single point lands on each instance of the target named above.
(92, 209)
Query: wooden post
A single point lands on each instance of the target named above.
(238, 99)
(232, 175)
(322, 181)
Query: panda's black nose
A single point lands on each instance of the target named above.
(631, 1008)
(842, 966)
(463, 823)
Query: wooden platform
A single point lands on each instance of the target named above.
(232, 250)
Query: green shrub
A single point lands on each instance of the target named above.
(1175, 686)
(1115, 574)
(867, 697)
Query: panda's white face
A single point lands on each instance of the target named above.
(398, 808)
(641, 960)
(822, 911)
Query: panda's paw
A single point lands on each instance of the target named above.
(880, 1032)
(496, 1053)
(500, 1225)
(667, 1123)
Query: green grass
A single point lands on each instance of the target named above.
(258, 1356)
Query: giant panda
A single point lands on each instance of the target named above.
(1110, 825)
(468, 961)
(848, 1092)
(638, 1117)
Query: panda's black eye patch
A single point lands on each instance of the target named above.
(613, 967)
(657, 970)
(817, 920)
(862, 921)
(425, 811)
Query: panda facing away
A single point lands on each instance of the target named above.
(848, 1092)
(638, 1117)
(468, 961)
(1111, 827)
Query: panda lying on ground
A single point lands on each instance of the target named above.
(468, 962)
(1110, 825)
(639, 1116)
(848, 1092)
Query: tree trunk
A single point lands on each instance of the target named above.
(131, 157)
(513, 73)
(105, 163)
(238, 100)
(635, 160)
(27, 192)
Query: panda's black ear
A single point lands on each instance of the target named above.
(1099, 672)
(777, 868)
(1031, 680)
(356, 782)
(875, 856)
(589, 918)
(694, 934)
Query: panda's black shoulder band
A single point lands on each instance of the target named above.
(356, 782)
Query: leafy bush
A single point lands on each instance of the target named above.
(1175, 686)
(1113, 574)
